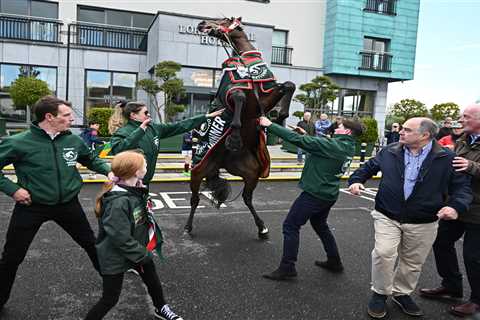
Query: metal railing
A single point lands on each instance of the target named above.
(103, 36)
(376, 61)
(29, 28)
(282, 55)
(382, 6)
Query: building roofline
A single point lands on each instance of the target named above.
(203, 17)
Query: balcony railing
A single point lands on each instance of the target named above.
(103, 36)
(376, 61)
(282, 55)
(382, 6)
(29, 28)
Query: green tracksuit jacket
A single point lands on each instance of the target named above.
(131, 136)
(46, 167)
(123, 230)
(327, 160)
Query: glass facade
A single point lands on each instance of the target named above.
(9, 73)
(114, 17)
(35, 8)
(105, 88)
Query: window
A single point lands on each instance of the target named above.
(35, 8)
(114, 17)
(279, 38)
(9, 73)
(281, 53)
(105, 88)
(91, 15)
(44, 9)
(375, 54)
(375, 45)
(197, 77)
(381, 6)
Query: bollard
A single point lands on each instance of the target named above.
(363, 150)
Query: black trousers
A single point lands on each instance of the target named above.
(112, 287)
(24, 225)
(306, 208)
(446, 256)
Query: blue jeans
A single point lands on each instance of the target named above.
(306, 207)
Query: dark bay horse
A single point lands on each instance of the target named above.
(241, 153)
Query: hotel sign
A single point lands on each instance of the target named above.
(205, 38)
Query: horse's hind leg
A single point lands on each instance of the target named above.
(234, 140)
(195, 183)
(247, 195)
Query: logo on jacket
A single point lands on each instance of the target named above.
(156, 141)
(70, 155)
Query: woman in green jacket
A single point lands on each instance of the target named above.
(140, 133)
(127, 236)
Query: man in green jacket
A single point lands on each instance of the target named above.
(140, 133)
(45, 158)
(328, 159)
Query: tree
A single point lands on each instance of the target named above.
(171, 87)
(318, 93)
(442, 110)
(25, 91)
(409, 108)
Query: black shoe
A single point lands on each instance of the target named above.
(377, 307)
(441, 293)
(407, 305)
(280, 274)
(333, 265)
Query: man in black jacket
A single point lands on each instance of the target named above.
(417, 174)
(467, 148)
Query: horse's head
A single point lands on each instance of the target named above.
(220, 28)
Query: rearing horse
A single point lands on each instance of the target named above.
(242, 153)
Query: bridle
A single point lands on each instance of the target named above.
(225, 32)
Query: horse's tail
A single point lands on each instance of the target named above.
(220, 188)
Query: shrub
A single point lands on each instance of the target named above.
(298, 114)
(100, 116)
(370, 133)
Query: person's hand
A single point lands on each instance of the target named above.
(447, 213)
(356, 188)
(460, 164)
(300, 130)
(145, 123)
(215, 113)
(265, 122)
(22, 196)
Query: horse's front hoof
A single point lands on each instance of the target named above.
(263, 235)
(233, 143)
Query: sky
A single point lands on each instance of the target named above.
(447, 66)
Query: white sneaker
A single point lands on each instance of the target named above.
(167, 314)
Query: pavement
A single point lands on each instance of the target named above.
(169, 168)
(216, 272)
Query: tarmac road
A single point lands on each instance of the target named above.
(216, 273)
